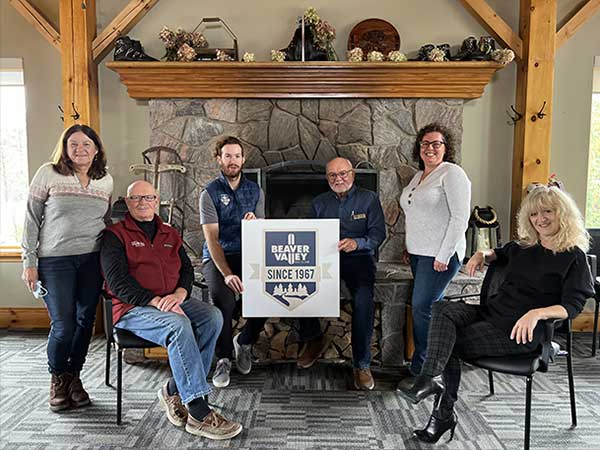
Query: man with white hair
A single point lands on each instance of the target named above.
(362, 230)
(150, 278)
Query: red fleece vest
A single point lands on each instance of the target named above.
(154, 265)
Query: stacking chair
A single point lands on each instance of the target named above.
(523, 365)
(593, 260)
(121, 339)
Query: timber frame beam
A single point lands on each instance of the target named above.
(81, 49)
(586, 11)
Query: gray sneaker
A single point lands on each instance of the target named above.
(220, 377)
(213, 426)
(243, 356)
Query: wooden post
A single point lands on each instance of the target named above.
(79, 71)
(535, 83)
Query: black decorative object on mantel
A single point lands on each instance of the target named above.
(127, 49)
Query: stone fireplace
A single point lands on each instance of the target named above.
(375, 134)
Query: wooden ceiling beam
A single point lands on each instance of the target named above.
(119, 26)
(590, 8)
(495, 25)
(39, 22)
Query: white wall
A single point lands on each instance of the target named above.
(265, 24)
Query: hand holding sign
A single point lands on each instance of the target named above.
(234, 283)
(347, 245)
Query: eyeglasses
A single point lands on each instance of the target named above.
(435, 144)
(343, 174)
(138, 198)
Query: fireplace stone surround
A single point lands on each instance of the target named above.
(376, 132)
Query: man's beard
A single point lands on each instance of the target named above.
(231, 171)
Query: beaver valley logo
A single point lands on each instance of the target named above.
(290, 267)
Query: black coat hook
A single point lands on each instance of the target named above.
(76, 115)
(540, 114)
(515, 116)
(62, 113)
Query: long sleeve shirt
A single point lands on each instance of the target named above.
(64, 218)
(361, 217)
(437, 212)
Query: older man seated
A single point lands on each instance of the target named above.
(150, 277)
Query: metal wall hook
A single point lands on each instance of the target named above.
(515, 116)
(76, 115)
(62, 113)
(540, 114)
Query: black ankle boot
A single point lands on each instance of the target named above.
(127, 49)
(485, 47)
(423, 387)
(435, 428)
(468, 47)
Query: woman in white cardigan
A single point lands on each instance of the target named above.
(436, 205)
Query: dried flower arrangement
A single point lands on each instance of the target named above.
(322, 30)
(355, 55)
(396, 56)
(375, 56)
(277, 56)
(248, 57)
(181, 45)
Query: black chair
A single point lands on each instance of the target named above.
(121, 339)
(524, 365)
(595, 252)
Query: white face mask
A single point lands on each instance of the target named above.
(39, 291)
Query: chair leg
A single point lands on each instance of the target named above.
(107, 370)
(119, 383)
(527, 413)
(595, 329)
(491, 379)
(571, 382)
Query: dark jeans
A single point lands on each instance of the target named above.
(224, 299)
(73, 284)
(458, 331)
(358, 272)
(428, 287)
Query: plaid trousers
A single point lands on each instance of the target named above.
(457, 331)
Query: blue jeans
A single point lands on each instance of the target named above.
(358, 272)
(190, 341)
(428, 287)
(73, 284)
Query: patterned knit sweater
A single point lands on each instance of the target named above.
(63, 218)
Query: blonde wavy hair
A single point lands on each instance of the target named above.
(571, 229)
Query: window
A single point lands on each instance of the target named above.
(13, 153)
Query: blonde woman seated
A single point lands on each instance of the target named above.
(547, 277)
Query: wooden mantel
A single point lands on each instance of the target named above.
(145, 80)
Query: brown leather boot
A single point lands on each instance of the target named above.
(312, 351)
(77, 394)
(59, 391)
(363, 380)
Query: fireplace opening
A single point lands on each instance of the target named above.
(290, 186)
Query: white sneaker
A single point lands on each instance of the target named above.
(220, 377)
(243, 356)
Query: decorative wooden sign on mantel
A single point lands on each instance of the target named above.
(145, 80)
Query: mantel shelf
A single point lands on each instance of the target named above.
(145, 80)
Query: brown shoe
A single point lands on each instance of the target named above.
(312, 352)
(363, 380)
(77, 394)
(213, 426)
(59, 391)
(176, 412)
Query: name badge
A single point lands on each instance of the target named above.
(359, 216)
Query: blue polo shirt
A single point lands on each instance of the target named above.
(360, 214)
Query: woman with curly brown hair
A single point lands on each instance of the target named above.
(67, 209)
(436, 205)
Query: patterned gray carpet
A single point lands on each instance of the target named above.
(282, 408)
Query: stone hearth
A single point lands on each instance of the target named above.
(377, 132)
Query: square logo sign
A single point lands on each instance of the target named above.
(296, 271)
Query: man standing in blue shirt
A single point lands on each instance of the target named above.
(362, 230)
